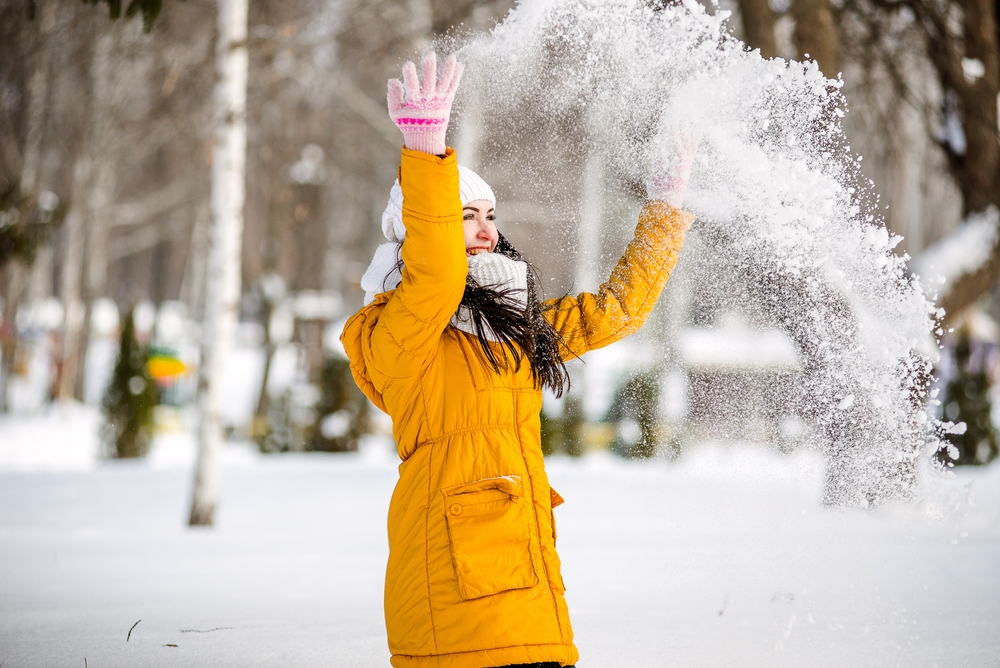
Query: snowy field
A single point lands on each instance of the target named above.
(724, 558)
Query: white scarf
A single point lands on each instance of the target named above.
(496, 271)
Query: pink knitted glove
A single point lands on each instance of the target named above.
(423, 116)
(672, 167)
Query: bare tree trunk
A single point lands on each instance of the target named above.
(100, 193)
(957, 52)
(223, 280)
(40, 274)
(259, 425)
(758, 26)
(97, 196)
(17, 280)
(980, 175)
(587, 275)
(38, 90)
(19, 276)
(72, 273)
(272, 292)
(977, 167)
(589, 226)
(816, 35)
(98, 209)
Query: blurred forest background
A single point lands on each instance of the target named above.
(106, 149)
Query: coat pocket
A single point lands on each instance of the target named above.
(488, 525)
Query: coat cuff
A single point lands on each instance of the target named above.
(430, 186)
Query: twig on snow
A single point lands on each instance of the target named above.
(220, 628)
(129, 633)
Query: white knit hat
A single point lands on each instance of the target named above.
(382, 273)
(470, 188)
(392, 217)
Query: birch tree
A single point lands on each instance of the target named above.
(222, 285)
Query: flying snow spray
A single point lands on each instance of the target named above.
(781, 206)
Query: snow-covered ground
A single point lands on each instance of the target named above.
(724, 558)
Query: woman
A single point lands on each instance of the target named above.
(455, 346)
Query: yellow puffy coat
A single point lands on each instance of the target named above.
(473, 576)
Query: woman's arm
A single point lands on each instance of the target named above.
(622, 304)
(433, 251)
(435, 263)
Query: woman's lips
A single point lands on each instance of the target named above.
(476, 251)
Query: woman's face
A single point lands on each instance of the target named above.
(480, 231)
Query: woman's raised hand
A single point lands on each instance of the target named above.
(421, 112)
(674, 153)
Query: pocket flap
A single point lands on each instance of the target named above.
(508, 485)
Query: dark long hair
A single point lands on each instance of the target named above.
(521, 332)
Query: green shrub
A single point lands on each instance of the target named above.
(130, 399)
(967, 399)
(342, 409)
(636, 405)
